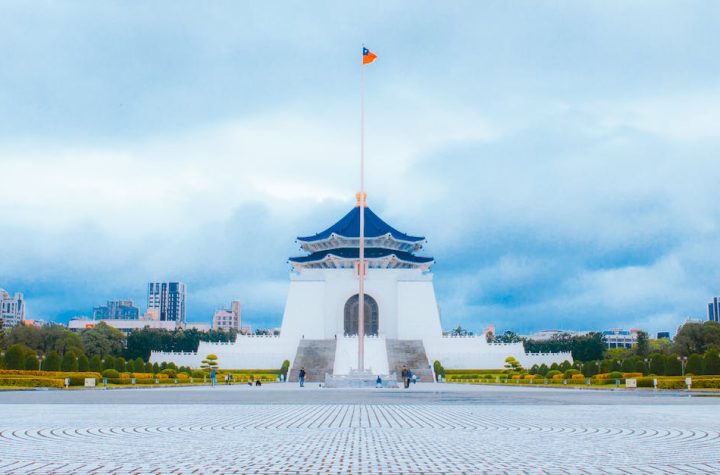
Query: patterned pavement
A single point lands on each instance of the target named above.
(358, 438)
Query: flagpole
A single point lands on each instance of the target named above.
(361, 269)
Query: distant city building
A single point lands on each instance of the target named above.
(12, 309)
(661, 335)
(617, 338)
(714, 310)
(225, 319)
(117, 310)
(169, 299)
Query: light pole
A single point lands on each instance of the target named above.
(647, 365)
(682, 360)
(40, 359)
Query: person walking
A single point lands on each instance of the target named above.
(301, 375)
(403, 375)
(378, 382)
(213, 377)
(408, 378)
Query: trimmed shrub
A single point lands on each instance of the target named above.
(706, 383)
(671, 383)
(711, 363)
(69, 362)
(32, 382)
(143, 375)
(552, 373)
(169, 372)
(83, 363)
(52, 362)
(95, 364)
(632, 375)
(111, 373)
(31, 361)
(15, 357)
(694, 364)
(615, 375)
(570, 373)
(577, 377)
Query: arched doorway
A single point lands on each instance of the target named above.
(351, 315)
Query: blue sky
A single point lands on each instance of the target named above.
(560, 157)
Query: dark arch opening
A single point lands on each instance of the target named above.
(351, 315)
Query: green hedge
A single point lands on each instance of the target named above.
(36, 382)
(476, 372)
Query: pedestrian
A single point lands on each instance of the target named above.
(378, 382)
(414, 379)
(301, 375)
(227, 379)
(408, 378)
(258, 383)
(403, 375)
(213, 376)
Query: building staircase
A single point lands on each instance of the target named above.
(410, 353)
(317, 357)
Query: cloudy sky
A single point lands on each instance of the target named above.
(561, 157)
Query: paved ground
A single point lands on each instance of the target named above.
(433, 429)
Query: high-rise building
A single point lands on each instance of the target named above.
(169, 299)
(226, 319)
(12, 309)
(714, 310)
(117, 310)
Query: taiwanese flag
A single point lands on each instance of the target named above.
(368, 56)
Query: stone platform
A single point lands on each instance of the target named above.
(427, 429)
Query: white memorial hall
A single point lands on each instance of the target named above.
(320, 325)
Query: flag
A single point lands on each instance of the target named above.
(368, 56)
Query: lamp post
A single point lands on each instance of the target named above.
(40, 360)
(647, 365)
(683, 361)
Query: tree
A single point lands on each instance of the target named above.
(96, 364)
(108, 363)
(120, 364)
(130, 366)
(31, 361)
(139, 365)
(69, 362)
(543, 369)
(711, 362)
(102, 340)
(52, 362)
(513, 364)
(694, 364)
(26, 335)
(15, 356)
(657, 364)
(210, 362)
(642, 347)
(148, 367)
(588, 347)
(83, 363)
(673, 366)
(508, 337)
(695, 337)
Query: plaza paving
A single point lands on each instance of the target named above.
(430, 429)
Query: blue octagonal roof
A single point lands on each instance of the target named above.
(349, 227)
